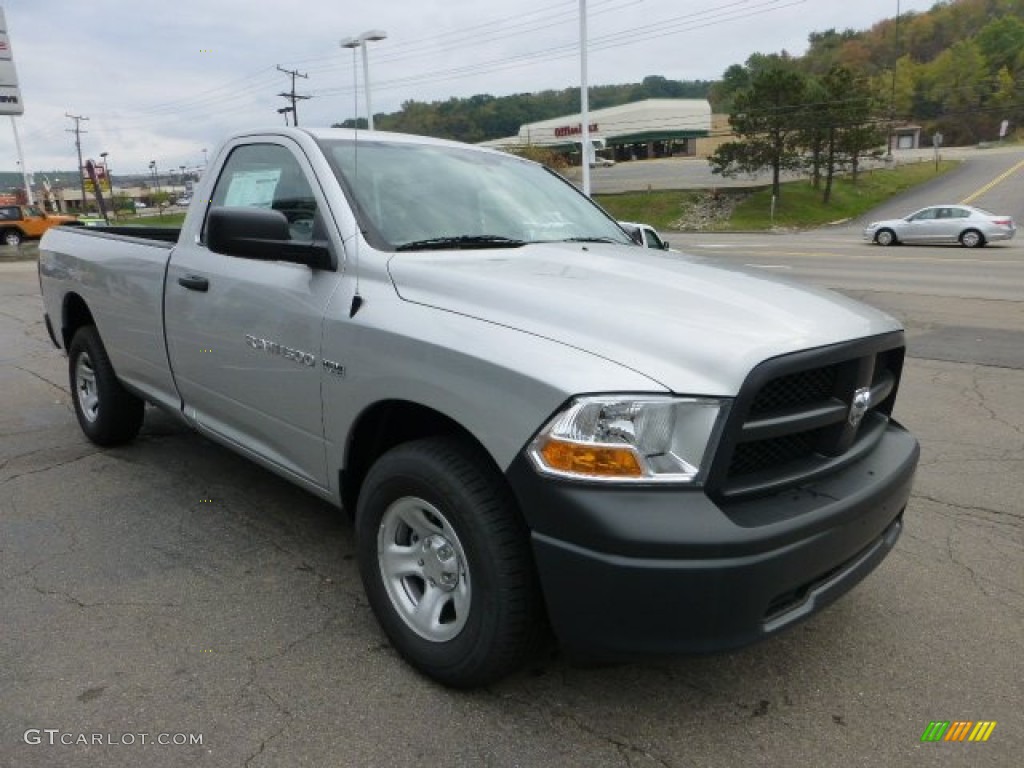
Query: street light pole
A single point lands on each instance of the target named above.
(366, 86)
(106, 172)
(110, 183)
(156, 174)
(360, 42)
(584, 101)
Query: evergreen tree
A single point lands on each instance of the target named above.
(767, 121)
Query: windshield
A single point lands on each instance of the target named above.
(420, 196)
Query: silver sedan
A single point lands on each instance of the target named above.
(971, 227)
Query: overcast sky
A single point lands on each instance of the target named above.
(164, 79)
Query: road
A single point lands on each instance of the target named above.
(695, 173)
(173, 587)
(957, 304)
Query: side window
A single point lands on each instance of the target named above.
(268, 176)
(926, 215)
(960, 213)
(9, 214)
(31, 210)
(653, 241)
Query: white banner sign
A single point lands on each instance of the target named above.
(10, 94)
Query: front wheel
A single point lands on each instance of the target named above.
(972, 238)
(885, 237)
(446, 563)
(107, 413)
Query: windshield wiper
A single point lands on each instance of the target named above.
(589, 240)
(461, 241)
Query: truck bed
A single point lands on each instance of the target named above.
(168, 235)
(118, 274)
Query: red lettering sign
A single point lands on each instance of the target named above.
(573, 130)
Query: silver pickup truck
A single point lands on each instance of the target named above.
(537, 425)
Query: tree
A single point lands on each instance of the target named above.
(1000, 41)
(957, 81)
(767, 119)
(1005, 97)
(735, 79)
(815, 127)
(847, 115)
(823, 49)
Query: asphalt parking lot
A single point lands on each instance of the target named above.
(172, 589)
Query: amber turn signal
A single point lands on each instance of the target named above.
(596, 461)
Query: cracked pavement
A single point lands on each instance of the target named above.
(173, 587)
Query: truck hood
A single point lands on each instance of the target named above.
(693, 326)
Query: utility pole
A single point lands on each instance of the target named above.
(77, 130)
(295, 98)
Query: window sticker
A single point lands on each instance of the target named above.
(253, 189)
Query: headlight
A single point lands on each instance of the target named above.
(629, 439)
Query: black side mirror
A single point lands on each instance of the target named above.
(263, 234)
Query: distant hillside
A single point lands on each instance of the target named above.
(959, 70)
(484, 117)
(11, 179)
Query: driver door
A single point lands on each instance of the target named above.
(921, 227)
(243, 334)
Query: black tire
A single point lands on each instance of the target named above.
(12, 237)
(107, 413)
(499, 622)
(886, 237)
(972, 238)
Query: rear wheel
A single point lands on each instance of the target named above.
(972, 238)
(12, 237)
(885, 237)
(107, 413)
(446, 562)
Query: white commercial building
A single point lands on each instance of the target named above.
(651, 128)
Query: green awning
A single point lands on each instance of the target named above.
(640, 138)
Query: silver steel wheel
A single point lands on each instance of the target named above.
(424, 569)
(85, 388)
(12, 237)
